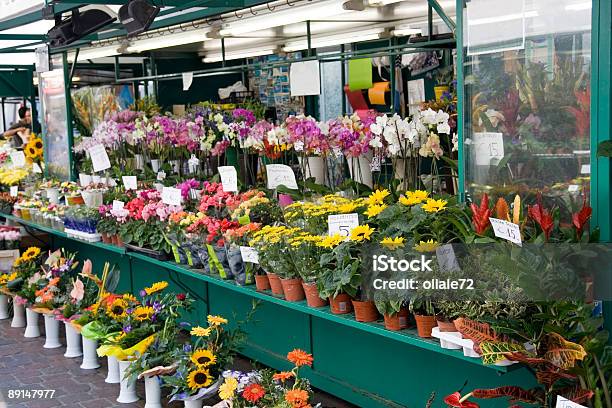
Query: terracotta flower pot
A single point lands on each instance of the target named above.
(293, 289)
(106, 238)
(341, 304)
(447, 326)
(312, 295)
(397, 321)
(275, 284)
(262, 282)
(425, 324)
(118, 241)
(365, 311)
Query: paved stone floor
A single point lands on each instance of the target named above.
(25, 364)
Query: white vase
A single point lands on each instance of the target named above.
(73, 342)
(194, 404)
(127, 391)
(152, 392)
(32, 330)
(138, 161)
(53, 195)
(399, 166)
(19, 315)
(113, 371)
(84, 179)
(4, 307)
(95, 178)
(51, 332)
(155, 165)
(313, 167)
(90, 355)
(360, 169)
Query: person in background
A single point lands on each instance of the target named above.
(23, 126)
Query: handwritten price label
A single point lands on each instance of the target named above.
(229, 178)
(14, 191)
(506, 230)
(99, 158)
(445, 255)
(18, 159)
(249, 254)
(130, 182)
(565, 403)
(172, 196)
(489, 148)
(280, 175)
(118, 205)
(342, 224)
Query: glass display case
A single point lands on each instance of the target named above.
(527, 99)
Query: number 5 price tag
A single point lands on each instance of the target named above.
(506, 230)
(342, 224)
(488, 148)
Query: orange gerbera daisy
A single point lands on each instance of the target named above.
(253, 392)
(297, 398)
(282, 376)
(300, 358)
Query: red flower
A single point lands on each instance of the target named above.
(581, 218)
(253, 392)
(181, 296)
(481, 214)
(542, 216)
(300, 358)
(454, 400)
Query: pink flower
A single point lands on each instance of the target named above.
(78, 291)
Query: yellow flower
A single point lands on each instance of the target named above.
(129, 297)
(199, 378)
(393, 243)
(434, 206)
(331, 241)
(374, 210)
(347, 208)
(30, 253)
(216, 320)
(156, 287)
(378, 196)
(414, 197)
(228, 388)
(142, 313)
(361, 233)
(426, 246)
(203, 358)
(200, 331)
(117, 309)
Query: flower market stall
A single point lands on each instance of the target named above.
(418, 219)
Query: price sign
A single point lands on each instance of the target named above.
(585, 169)
(229, 178)
(14, 191)
(573, 188)
(445, 255)
(130, 182)
(118, 205)
(280, 175)
(488, 148)
(18, 158)
(161, 175)
(99, 158)
(249, 254)
(565, 403)
(342, 224)
(172, 196)
(506, 230)
(36, 168)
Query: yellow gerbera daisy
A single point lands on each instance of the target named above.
(142, 313)
(117, 309)
(216, 320)
(203, 358)
(374, 210)
(331, 241)
(156, 287)
(347, 208)
(426, 246)
(378, 196)
(228, 388)
(393, 243)
(30, 253)
(434, 206)
(199, 378)
(361, 233)
(200, 331)
(413, 197)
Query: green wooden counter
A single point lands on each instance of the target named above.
(361, 362)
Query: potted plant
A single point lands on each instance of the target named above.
(443, 78)
(306, 253)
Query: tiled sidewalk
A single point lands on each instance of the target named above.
(25, 364)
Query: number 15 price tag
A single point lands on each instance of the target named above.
(506, 230)
(342, 224)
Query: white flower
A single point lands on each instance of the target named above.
(298, 146)
(324, 126)
(442, 117)
(455, 142)
(429, 116)
(444, 128)
(376, 142)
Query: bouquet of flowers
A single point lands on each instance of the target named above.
(9, 238)
(307, 135)
(29, 277)
(59, 271)
(351, 135)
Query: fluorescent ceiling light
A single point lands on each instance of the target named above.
(501, 19)
(94, 53)
(403, 31)
(168, 41)
(579, 6)
(239, 54)
(291, 15)
(329, 40)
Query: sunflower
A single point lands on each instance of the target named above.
(374, 210)
(297, 397)
(228, 388)
(426, 246)
(361, 233)
(30, 253)
(216, 320)
(434, 206)
(117, 309)
(378, 196)
(200, 331)
(156, 287)
(199, 378)
(300, 357)
(142, 313)
(393, 243)
(129, 298)
(413, 197)
(203, 358)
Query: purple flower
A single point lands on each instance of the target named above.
(187, 348)
(127, 328)
(143, 293)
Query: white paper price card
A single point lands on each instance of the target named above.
(118, 205)
(565, 403)
(279, 174)
(573, 188)
(36, 168)
(445, 255)
(14, 191)
(130, 182)
(99, 158)
(249, 254)
(229, 178)
(585, 169)
(506, 230)
(488, 148)
(342, 224)
(18, 159)
(172, 196)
